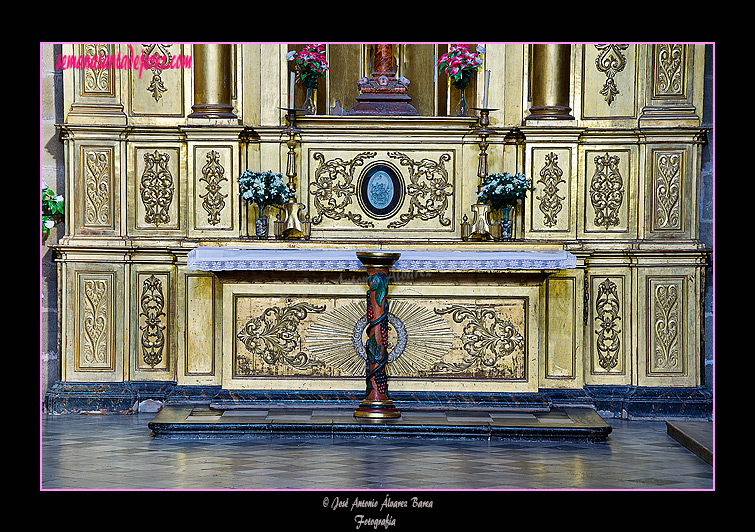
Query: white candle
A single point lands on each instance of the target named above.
(291, 91)
(487, 84)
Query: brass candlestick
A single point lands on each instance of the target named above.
(292, 223)
(482, 226)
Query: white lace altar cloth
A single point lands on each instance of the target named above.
(232, 259)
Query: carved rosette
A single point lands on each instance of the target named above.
(550, 201)
(607, 190)
(213, 199)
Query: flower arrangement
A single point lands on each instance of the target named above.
(459, 63)
(503, 190)
(52, 207)
(310, 64)
(263, 188)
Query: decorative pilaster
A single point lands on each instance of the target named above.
(212, 81)
(551, 68)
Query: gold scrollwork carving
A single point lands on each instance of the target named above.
(333, 189)
(669, 69)
(607, 312)
(97, 188)
(607, 190)
(610, 61)
(666, 309)
(156, 188)
(153, 304)
(487, 339)
(97, 80)
(156, 86)
(427, 189)
(95, 321)
(550, 201)
(212, 173)
(273, 337)
(667, 185)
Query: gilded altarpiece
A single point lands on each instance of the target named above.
(618, 186)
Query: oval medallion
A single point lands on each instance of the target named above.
(381, 190)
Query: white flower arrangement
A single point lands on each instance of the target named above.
(503, 190)
(263, 188)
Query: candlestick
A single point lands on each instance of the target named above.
(487, 83)
(291, 91)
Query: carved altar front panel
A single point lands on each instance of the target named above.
(197, 328)
(446, 337)
(561, 353)
(384, 192)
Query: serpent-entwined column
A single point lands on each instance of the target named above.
(376, 403)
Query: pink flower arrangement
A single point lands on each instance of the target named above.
(459, 63)
(310, 63)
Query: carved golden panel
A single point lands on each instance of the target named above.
(666, 331)
(608, 84)
(551, 209)
(609, 193)
(313, 336)
(154, 326)
(100, 80)
(429, 338)
(95, 322)
(157, 90)
(425, 187)
(157, 188)
(97, 210)
(669, 71)
(214, 173)
(609, 324)
(668, 189)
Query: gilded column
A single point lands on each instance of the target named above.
(212, 81)
(551, 69)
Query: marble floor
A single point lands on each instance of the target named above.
(106, 452)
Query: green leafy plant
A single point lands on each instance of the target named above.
(503, 190)
(52, 208)
(263, 188)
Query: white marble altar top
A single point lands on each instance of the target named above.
(229, 259)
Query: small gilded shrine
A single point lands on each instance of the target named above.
(217, 200)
